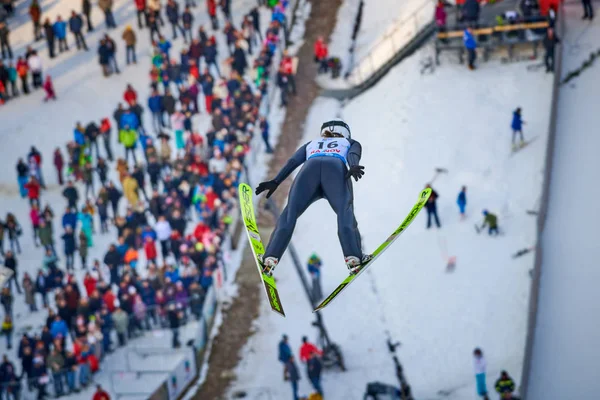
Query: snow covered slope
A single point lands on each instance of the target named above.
(567, 330)
(409, 124)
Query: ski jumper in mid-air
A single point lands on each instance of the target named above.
(329, 163)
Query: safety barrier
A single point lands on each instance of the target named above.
(541, 219)
(384, 51)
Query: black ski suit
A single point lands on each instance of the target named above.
(323, 175)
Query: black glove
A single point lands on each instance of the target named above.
(271, 186)
(355, 171)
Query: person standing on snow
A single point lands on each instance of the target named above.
(480, 367)
(517, 127)
(76, 27)
(329, 163)
(285, 352)
(431, 207)
(471, 45)
(462, 201)
(60, 31)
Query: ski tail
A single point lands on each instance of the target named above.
(258, 249)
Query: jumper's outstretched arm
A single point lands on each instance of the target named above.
(294, 162)
(354, 153)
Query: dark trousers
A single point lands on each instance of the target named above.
(6, 50)
(142, 16)
(51, 47)
(176, 26)
(37, 28)
(62, 45)
(472, 57)
(37, 79)
(164, 248)
(320, 177)
(130, 54)
(154, 30)
(13, 88)
(432, 213)
(80, 41)
(89, 22)
(549, 60)
(24, 84)
(588, 10)
(132, 151)
(316, 382)
(110, 19)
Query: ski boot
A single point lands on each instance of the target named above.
(268, 265)
(354, 264)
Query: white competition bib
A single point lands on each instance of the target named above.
(328, 147)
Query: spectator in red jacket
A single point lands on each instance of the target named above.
(33, 191)
(140, 5)
(211, 6)
(287, 66)
(90, 283)
(150, 249)
(109, 299)
(307, 349)
(100, 394)
(321, 54)
(130, 95)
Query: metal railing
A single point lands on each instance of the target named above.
(403, 32)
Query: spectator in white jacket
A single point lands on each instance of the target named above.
(480, 368)
(163, 234)
(34, 62)
(217, 164)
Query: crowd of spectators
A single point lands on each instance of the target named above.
(168, 207)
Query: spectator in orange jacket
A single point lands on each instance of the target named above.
(307, 349)
(131, 257)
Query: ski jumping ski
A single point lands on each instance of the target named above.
(258, 249)
(423, 197)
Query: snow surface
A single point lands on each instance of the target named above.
(85, 95)
(408, 125)
(565, 350)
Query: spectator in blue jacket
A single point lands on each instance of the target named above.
(279, 16)
(517, 127)
(58, 328)
(285, 352)
(470, 45)
(69, 219)
(155, 106)
(79, 134)
(164, 46)
(128, 118)
(462, 201)
(60, 32)
(75, 26)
